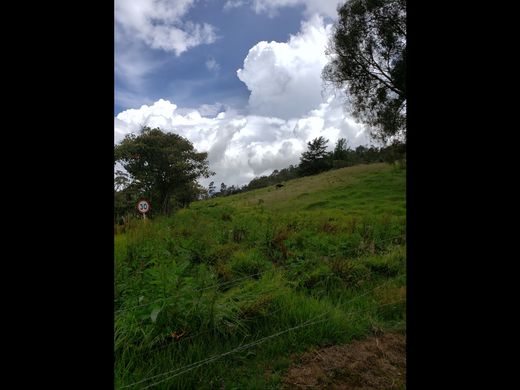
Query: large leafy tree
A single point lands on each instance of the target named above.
(367, 54)
(316, 158)
(162, 166)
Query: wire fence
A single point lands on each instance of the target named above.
(168, 375)
(186, 368)
(267, 315)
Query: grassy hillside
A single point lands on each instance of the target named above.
(248, 280)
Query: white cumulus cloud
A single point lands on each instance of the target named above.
(160, 24)
(241, 147)
(285, 77)
(287, 109)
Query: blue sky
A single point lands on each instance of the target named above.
(241, 79)
(186, 79)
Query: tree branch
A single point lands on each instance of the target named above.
(372, 74)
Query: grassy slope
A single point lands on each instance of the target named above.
(317, 247)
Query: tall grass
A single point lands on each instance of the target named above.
(226, 272)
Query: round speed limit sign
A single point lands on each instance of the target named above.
(143, 206)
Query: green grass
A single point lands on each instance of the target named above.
(228, 271)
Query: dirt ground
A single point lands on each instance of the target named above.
(377, 362)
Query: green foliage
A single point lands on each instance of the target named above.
(249, 263)
(277, 176)
(395, 153)
(317, 277)
(351, 272)
(225, 272)
(387, 265)
(162, 166)
(368, 59)
(315, 159)
(342, 156)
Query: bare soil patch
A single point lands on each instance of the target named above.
(377, 362)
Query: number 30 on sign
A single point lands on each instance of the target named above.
(143, 206)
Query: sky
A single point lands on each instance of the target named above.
(240, 79)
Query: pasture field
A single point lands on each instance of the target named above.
(227, 293)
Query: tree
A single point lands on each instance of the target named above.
(162, 166)
(315, 159)
(395, 153)
(121, 181)
(223, 189)
(341, 150)
(211, 189)
(125, 194)
(342, 154)
(360, 152)
(368, 60)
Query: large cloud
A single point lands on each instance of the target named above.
(159, 24)
(142, 26)
(280, 121)
(285, 78)
(241, 147)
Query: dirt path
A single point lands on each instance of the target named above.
(377, 362)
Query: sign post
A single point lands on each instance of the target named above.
(143, 206)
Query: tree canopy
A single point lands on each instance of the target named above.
(161, 166)
(315, 159)
(367, 54)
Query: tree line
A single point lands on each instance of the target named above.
(164, 168)
(317, 159)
